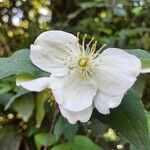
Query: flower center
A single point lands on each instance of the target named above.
(83, 62)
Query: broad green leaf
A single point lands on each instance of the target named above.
(144, 56)
(18, 63)
(42, 139)
(83, 143)
(130, 120)
(62, 127)
(10, 140)
(24, 106)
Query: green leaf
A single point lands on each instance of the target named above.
(10, 140)
(24, 106)
(137, 10)
(130, 120)
(62, 127)
(84, 143)
(19, 63)
(42, 139)
(5, 87)
(40, 110)
(145, 41)
(63, 146)
(148, 120)
(144, 56)
(97, 127)
(20, 92)
(5, 98)
(139, 85)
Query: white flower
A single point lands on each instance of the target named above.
(81, 78)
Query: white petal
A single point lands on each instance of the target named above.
(73, 93)
(52, 50)
(43, 58)
(119, 59)
(65, 41)
(103, 102)
(36, 85)
(73, 117)
(117, 71)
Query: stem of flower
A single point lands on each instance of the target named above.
(52, 123)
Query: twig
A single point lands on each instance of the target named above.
(52, 123)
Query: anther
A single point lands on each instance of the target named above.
(88, 50)
(102, 47)
(90, 41)
(83, 42)
(94, 46)
(78, 35)
(97, 52)
(93, 49)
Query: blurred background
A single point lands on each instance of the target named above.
(118, 23)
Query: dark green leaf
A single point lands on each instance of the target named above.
(5, 98)
(97, 127)
(130, 120)
(10, 140)
(62, 127)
